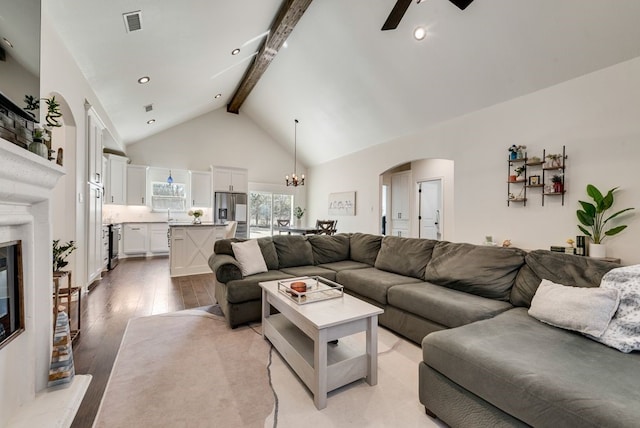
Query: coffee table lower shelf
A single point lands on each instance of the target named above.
(344, 363)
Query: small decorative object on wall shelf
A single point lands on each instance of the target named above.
(534, 181)
(593, 219)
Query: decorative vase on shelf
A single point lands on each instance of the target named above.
(39, 148)
(558, 187)
(513, 155)
(597, 250)
(298, 223)
(196, 220)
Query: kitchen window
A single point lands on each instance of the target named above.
(165, 196)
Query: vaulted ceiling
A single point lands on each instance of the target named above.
(350, 85)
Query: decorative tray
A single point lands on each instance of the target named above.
(317, 289)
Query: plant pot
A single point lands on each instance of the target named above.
(197, 220)
(298, 223)
(558, 187)
(597, 250)
(512, 178)
(39, 148)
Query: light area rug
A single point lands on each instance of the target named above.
(188, 369)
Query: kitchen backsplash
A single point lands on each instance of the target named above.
(124, 214)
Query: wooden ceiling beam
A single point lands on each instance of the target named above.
(288, 16)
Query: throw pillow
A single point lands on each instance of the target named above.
(623, 332)
(582, 309)
(249, 256)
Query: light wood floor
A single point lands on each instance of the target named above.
(135, 288)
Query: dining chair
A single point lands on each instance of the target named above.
(326, 227)
(283, 223)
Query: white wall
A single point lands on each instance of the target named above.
(59, 74)
(217, 138)
(594, 116)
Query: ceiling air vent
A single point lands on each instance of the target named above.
(133, 21)
(148, 108)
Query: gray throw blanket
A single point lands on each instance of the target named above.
(623, 332)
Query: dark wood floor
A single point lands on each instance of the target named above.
(135, 288)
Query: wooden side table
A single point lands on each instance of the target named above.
(66, 293)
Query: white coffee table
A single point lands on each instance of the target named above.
(300, 334)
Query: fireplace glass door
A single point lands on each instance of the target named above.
(11, 295)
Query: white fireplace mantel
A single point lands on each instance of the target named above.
(26, 187)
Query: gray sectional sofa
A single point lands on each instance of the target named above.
(486, 362)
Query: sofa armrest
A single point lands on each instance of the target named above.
(225, 267)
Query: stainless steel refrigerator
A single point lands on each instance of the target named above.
(232, 207)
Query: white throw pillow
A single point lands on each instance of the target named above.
(249, 256)
(582, 309)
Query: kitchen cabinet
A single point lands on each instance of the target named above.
(95, 244)
(105, 247)
(116, 180)
(95, 130)
(400, 203)
(135, 238)
(230, 180)
(158, 238)
(137, 184)
(191, 247)
(201, 189)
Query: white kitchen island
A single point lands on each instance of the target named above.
(191, 245)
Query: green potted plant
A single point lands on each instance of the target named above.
(593, 218)
(60, 254)
(519, 171)
(298, 212)
(53, 109)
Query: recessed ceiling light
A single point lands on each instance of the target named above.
(420, 33)
(7, 42)
(144, 79)
(285, 44)
(236, 51)
(151, 121)
(218, 96)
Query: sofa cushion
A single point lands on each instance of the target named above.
(249, 256)
(245, 289)
(447, 307)
(293, 250)
(311, 271)
(371, 282)
(587, 310)
(329, 248)
(344, 265)
(482, 270)
(542, 375)
(405, 256)
(223, 246)
(567, 269)
(364, 247)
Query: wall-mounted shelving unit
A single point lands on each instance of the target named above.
(549, 166)
(515, 184)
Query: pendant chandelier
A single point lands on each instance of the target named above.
(295, 181)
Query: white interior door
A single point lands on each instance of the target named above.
(431, 213)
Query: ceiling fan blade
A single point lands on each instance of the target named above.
(396, 15)
(462, 4)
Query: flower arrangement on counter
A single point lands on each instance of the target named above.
(196, 214)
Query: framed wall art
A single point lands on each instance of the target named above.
(343, 203)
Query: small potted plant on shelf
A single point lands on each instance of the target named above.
(60, 254)
(558, 185)
(519, 171)
(593, 221)
(554, 160)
